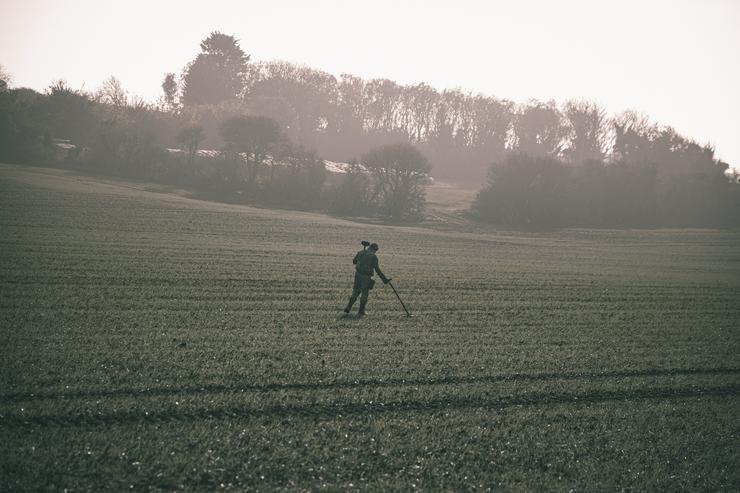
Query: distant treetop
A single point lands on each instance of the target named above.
(217, 73)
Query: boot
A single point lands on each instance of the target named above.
(361, 313)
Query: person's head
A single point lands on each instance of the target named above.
(374, 247)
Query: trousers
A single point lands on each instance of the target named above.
(361, 288)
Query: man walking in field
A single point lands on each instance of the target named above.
(366, 264)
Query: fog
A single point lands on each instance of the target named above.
(483, 94)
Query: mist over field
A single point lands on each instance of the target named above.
(286, 135)
(274, 277)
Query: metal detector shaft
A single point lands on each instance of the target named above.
(399, 299)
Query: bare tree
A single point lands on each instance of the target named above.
(421, 101)
(351, 109)
(112, 93)
(311, 94)
(381, 98)
(491, 119)
(587, 127)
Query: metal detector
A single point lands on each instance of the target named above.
(408, 315)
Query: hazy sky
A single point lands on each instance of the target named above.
(677, 61)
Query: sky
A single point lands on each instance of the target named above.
(677, 61)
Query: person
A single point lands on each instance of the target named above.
(366, 264)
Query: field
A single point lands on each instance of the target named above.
(155, 342)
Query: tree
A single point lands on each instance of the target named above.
(217, 73)
(112, 93)
(23, 120)
(382, 101)
(351, 197)
(538, 129)
(277, 108)
(71, 115)
(170, 90)
(398, 171)
(350, 114)
(491, 119)
(297, 176)
(255, 136)
(310, 94)
(190, 137)
(132, 138)
(524, 190)
(586, 123)
(633, 136)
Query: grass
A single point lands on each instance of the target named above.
(154, 342)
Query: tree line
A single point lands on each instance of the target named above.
(546, 164)
(227, 150)
(653, 177)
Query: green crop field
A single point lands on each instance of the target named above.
(155, 342)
